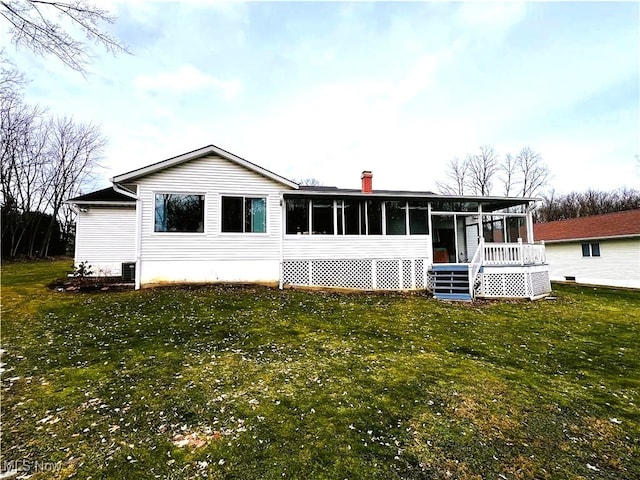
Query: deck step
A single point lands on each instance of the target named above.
(451, 282)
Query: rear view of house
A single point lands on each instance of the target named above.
(210, 216)
(597, 250)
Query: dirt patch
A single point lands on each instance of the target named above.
(90, 284)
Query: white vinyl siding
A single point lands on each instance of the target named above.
(105, 238)
(618, 264)
(316, 247)
(214, 177)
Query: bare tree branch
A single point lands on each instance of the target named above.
(311, 182)
(508, 170)
(482, 169)
(533, 171)
(37, 25)
(456, 178)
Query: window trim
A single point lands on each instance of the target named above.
(244, 197)
(178, 192)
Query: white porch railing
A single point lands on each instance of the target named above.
(475, 266)
(514, 254)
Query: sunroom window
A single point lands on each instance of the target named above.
(374, 217)
(322, 217)
(419, 218)
(179, 212)
(297, 216)
(350, 216)
(396, 217)
(244, 215)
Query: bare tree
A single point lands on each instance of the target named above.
(482, 169)
(456, 177)
(75, 150)
(310, 182)
(22, 157)
(508, 175)
(39, 25)
(11, 80)
(523, 175)
(534, 173)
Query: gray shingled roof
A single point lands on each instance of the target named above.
(105, 195)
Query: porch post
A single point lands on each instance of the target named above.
(520, 251)
(530, 238)
(283, 227)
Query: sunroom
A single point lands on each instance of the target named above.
(458, 247)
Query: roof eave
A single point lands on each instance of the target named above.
(102, 203)
(588, 239)
(503, 202)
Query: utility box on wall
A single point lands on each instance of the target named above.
(129, 272)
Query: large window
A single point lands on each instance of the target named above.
(178, 212)
(244, 215)
(396, 218)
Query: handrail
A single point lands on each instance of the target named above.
(475, 265)
(514, 254)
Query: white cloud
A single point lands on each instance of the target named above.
(187, 79)
(491, 17)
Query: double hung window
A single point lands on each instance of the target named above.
(591, 249)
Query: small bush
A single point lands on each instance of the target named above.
(82, 270)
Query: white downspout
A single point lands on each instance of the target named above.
(282, 233)
(138, 242)
(127, 193)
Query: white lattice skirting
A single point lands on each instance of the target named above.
(360, 274)
(514, 282)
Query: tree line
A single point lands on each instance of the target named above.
(44, 160)
(586, 204)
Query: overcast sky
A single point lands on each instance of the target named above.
(327, 90)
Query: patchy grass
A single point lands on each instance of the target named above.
(229, 382)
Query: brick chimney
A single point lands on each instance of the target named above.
(367, 178)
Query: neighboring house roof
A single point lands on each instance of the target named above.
(619, 224)
(201, 152)
(106, 196)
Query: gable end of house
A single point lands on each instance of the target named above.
(200, 153)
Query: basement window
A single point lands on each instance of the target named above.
(178, 212)
(591, 249)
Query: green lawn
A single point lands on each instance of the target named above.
(261, 383)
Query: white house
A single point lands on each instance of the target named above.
(597, 250)
(210, 216)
